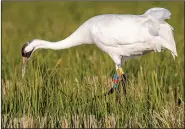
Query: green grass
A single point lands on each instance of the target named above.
(57, 84)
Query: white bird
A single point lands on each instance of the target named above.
(121, 36)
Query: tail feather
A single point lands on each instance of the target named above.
(160, 14)
(166, 33)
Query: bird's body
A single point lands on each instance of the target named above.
(127, 36)
(122, 36)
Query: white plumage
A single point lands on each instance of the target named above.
(126, 36)
(122, 36)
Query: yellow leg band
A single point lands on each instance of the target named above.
(121, 71)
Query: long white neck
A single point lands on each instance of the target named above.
(79, 37)
(63, 44)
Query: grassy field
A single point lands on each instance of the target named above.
(58, 84)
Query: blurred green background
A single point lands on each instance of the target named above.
(58, 84)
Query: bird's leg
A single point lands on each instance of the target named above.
(115, 85)
(116, 81)
(122, 76)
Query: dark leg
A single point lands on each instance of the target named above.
(123, 81)
(120, 75)
(115, 86)
(111, 91)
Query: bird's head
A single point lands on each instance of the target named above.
(27, 50)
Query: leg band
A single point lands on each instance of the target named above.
(121, 71)
(115, 81)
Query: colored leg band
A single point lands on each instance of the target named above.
(115, 76)
(115, 81)
(116, 85)
(121, 71)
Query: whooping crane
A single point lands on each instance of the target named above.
(121, 36)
